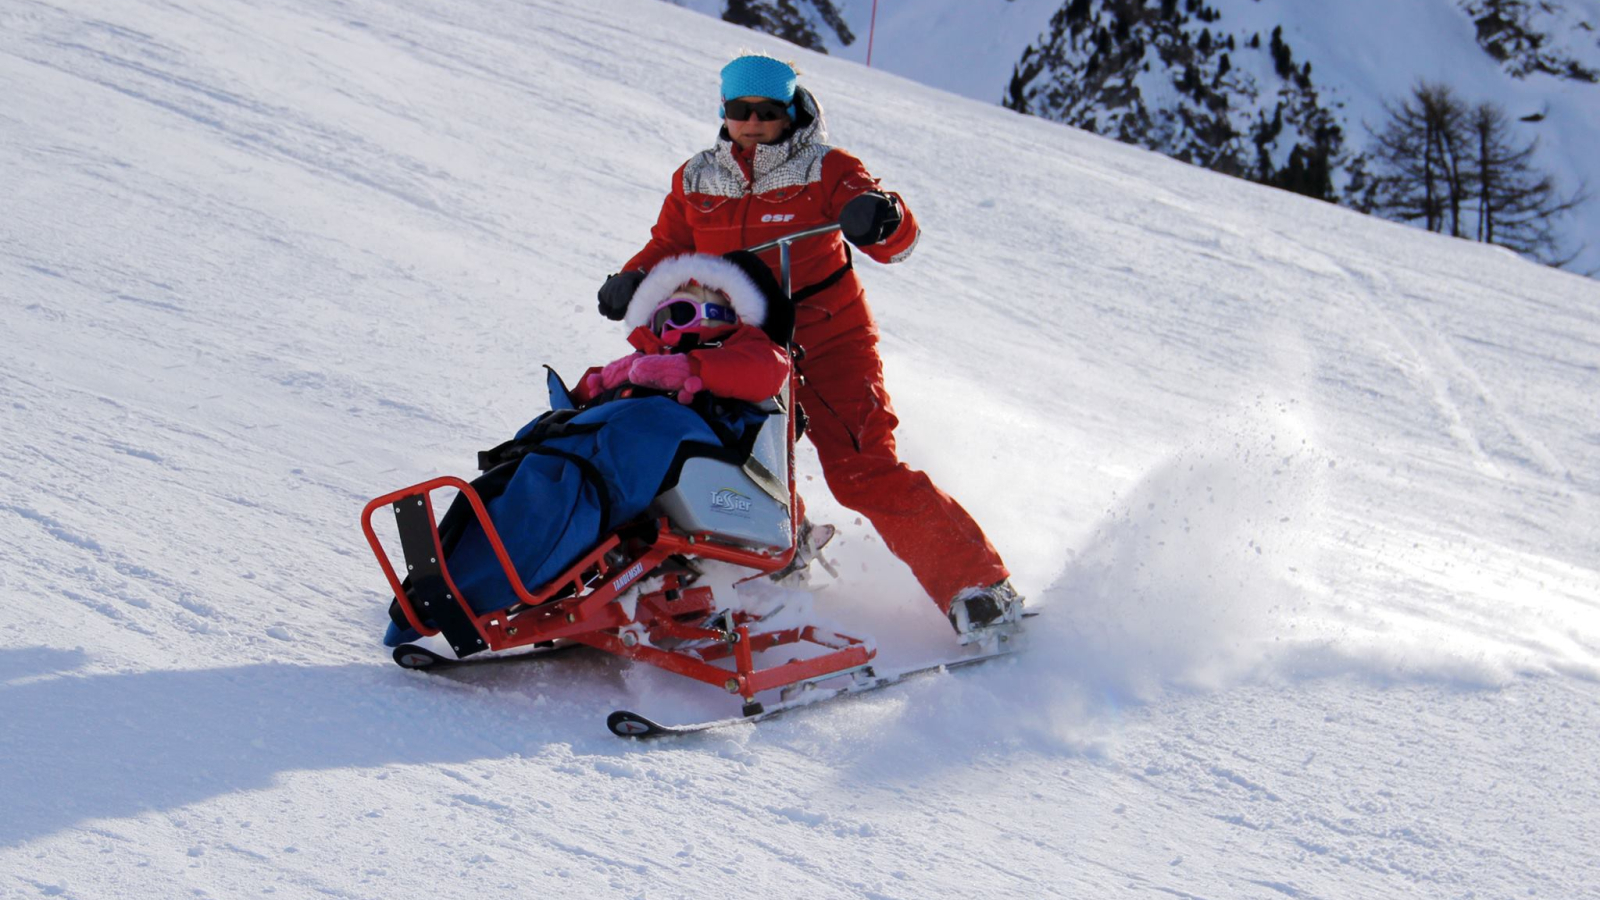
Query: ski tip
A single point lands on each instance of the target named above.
(630, 724)
(411, 656)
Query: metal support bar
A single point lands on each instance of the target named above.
(783, 249)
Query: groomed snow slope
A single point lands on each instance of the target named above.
(1309, 500)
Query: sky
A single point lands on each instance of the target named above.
(1307, 501)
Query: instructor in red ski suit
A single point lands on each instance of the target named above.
(770, 174)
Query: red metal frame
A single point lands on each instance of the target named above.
(580, 605)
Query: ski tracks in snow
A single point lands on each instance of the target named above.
(1532, 443)
(1484, 425)
(140, 67)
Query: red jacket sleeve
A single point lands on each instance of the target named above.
(846, 178)
(748, 366)
(580, 392)
(671, 235)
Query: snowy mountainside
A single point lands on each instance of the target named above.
(1275, 91)
(1553, 38)
(1308, 500)
(1161, 79)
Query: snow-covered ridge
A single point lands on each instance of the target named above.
(1308, 499)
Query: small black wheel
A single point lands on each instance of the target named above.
(754, 709)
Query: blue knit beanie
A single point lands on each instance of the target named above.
(759, 76)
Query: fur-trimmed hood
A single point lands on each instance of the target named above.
(713, 272)
(751, 288)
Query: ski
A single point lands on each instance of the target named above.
(624, 723)
(416, 656)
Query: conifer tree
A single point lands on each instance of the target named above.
(1461, 171)
(1517, 205)
(1419, 150)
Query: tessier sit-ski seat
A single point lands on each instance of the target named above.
(733, 506)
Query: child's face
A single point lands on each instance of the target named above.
(693, 309)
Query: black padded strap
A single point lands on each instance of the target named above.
(429, 593)
(553, 424)
(811, 290)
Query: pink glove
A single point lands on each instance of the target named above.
(667, 372)
(614, 374)
(691, 386)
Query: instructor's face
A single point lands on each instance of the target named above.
(750, 130)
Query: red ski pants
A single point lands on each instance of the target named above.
(852, 426)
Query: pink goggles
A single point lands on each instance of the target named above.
(683, 313)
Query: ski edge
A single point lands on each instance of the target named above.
(628, 724)
(418, 658)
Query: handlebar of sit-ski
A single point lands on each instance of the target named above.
(783, 248)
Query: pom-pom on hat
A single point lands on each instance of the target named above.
(759, 76)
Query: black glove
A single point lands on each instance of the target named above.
(869, 218)
(616, 292)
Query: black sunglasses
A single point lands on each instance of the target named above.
(765, 110)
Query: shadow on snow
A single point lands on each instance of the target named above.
(80, 747)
